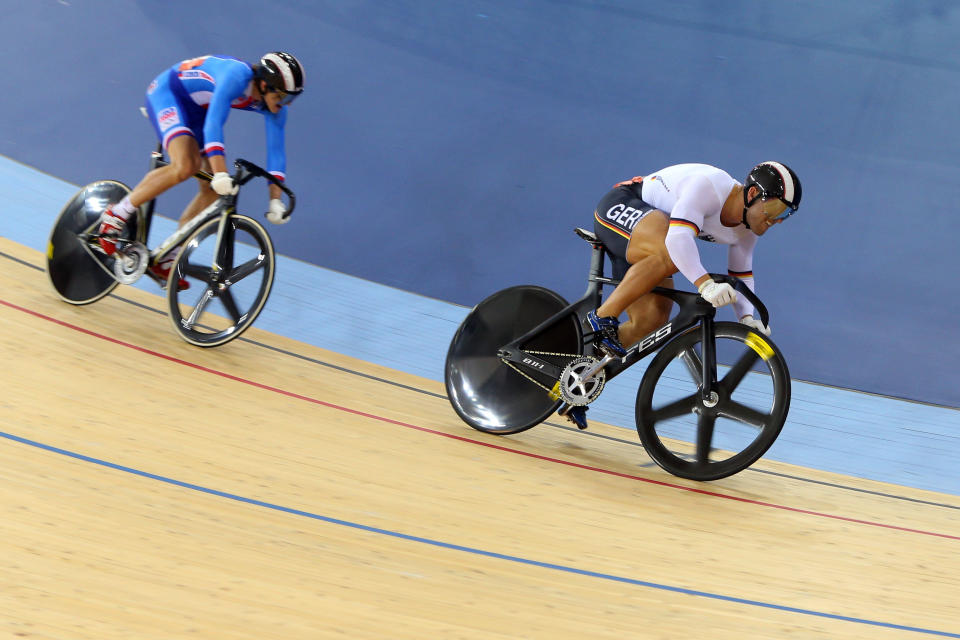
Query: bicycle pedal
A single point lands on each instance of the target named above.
(575, 414)
(603, 351)
(578, 416)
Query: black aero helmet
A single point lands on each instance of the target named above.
(774, 180)
(282, 72)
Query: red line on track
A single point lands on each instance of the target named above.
(407, 425)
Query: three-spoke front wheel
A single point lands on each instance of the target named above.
(230, 271)
(711, 438)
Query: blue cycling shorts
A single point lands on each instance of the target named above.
(172, 111)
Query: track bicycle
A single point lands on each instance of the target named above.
(524, 353)
(225, 256)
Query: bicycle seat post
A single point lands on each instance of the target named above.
(595, 277)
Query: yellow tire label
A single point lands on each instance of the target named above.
(759, 345)
(50, 251)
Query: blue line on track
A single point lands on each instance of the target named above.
(480, 552)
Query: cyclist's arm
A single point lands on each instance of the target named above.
(231, 82)
(275, 124)
(218, 164)
(686, 220)
(740, 265)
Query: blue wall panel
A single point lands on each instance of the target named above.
(449, 148)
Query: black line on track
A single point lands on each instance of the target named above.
(591, 434)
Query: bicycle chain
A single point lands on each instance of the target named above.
(539, 353)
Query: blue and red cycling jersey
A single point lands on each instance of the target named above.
(194, 97)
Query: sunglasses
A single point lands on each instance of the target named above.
(777, 208)
(285, 98)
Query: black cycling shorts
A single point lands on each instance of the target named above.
(614, 219)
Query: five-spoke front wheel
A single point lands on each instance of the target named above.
(712, 437)
(230, 271)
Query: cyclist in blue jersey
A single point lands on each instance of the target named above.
(188, 105)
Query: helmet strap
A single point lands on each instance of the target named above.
(747, 205)
(262, 89)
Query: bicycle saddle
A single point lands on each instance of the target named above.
(589, 236)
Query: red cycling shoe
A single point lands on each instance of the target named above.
(110, 225)
(162, 271)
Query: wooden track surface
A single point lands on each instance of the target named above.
(270, 489)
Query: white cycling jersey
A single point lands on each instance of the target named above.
(693, 195)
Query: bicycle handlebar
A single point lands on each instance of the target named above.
(744, 290)
(247, 171)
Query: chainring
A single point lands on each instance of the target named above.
(130, 263)
(574, 388)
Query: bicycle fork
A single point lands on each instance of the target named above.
(708, 364)
(223, 249)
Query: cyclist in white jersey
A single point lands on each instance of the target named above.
(650, 225)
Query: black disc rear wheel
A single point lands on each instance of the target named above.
(485, 392)
(78, 270)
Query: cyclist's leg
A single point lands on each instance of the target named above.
(649, 261)
(204, 198)
(630, 229)
(185, 160)
(170, 119)
(646, 315)
(178, 123)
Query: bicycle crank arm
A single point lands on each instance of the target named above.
(607, 359)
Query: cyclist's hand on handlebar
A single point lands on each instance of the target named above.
(277, 213)
(223, 184)
(755, 323)
(717, 293)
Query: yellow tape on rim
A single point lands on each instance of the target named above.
(759, 345)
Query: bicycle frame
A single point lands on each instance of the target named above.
(693, 310)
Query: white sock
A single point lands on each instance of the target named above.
(124, 209)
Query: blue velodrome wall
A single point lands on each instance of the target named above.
(448, 148)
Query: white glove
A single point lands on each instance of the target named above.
(756, 324)
(718, 293)
(278, 212)
(223, 184)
